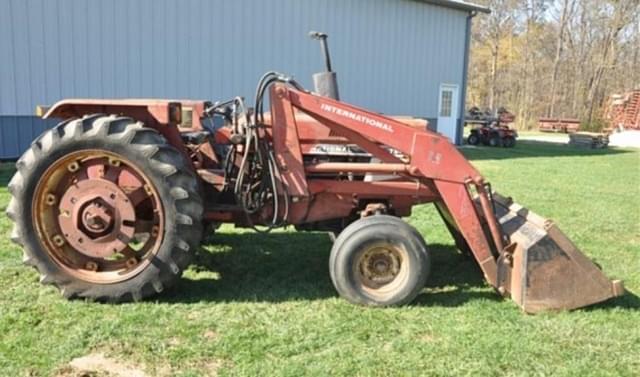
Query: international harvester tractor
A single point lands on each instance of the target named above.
(111, 204)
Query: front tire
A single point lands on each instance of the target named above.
(379, 261)
(473, 139)
(105, 209)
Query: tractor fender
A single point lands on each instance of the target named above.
(146, 110)
(162, 115)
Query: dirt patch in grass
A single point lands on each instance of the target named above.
(98, 365)
(210, 335)
(209, 368)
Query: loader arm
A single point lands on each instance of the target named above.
(522, 255)
(432, 159)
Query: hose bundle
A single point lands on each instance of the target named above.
(258, 181)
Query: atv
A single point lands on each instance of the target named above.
(493, 135)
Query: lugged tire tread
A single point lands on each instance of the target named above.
(186, 206)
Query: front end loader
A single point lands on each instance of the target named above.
(111, 203)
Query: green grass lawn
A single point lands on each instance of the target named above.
(264, 304)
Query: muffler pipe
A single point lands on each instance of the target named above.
(325, 83)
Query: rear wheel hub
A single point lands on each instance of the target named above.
(99, 216)
(96, 218)
(99, 219)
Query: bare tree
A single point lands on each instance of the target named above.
(533, 11)
(500, 21)
(568, 7)
(622, 14)
(490, 31)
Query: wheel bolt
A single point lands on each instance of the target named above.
(73, 167)
(131, 262)
(50, 199)
(58, 240)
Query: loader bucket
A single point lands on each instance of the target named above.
(542, 269)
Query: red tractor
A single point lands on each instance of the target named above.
(111, 204)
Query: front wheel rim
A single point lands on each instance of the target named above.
(381, 269)
(98, 216)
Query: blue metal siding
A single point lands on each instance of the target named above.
(17, 133)
(390, 55)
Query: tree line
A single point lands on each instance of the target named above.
(554, 58)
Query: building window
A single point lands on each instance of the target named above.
(446, 103)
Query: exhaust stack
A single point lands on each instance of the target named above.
(325, 83)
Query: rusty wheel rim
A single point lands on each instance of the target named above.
(98, 216)
(381, 268)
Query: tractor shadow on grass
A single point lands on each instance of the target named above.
(533, 148)
(455, 279)
(290, 266)
(627, 301)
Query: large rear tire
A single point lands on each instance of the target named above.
(379, 261)
(105, 209)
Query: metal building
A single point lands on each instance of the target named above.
(400, 57)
